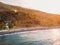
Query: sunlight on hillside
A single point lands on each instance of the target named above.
(22, 17)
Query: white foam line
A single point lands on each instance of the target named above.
(9, 34)
(27, 31)
(22, 29)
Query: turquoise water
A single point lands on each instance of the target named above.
(27, 38)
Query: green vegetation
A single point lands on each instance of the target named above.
(7, 17)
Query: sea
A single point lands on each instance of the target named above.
(36, 37)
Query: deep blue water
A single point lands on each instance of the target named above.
(27, 38)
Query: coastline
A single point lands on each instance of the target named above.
(9, 31)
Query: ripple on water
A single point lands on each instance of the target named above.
(43, 37)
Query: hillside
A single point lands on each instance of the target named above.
(16, 16)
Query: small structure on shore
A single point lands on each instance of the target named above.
(6, 25)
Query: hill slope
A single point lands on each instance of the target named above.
(15, 16)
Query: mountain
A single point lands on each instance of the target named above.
(15, 16)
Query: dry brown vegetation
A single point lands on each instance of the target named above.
(26, 17)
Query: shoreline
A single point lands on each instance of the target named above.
(2, 32)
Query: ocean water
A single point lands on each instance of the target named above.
(38, 37)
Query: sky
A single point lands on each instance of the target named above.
(49, 6)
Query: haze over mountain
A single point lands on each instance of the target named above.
(17, 16)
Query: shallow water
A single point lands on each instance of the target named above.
(42, 37)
